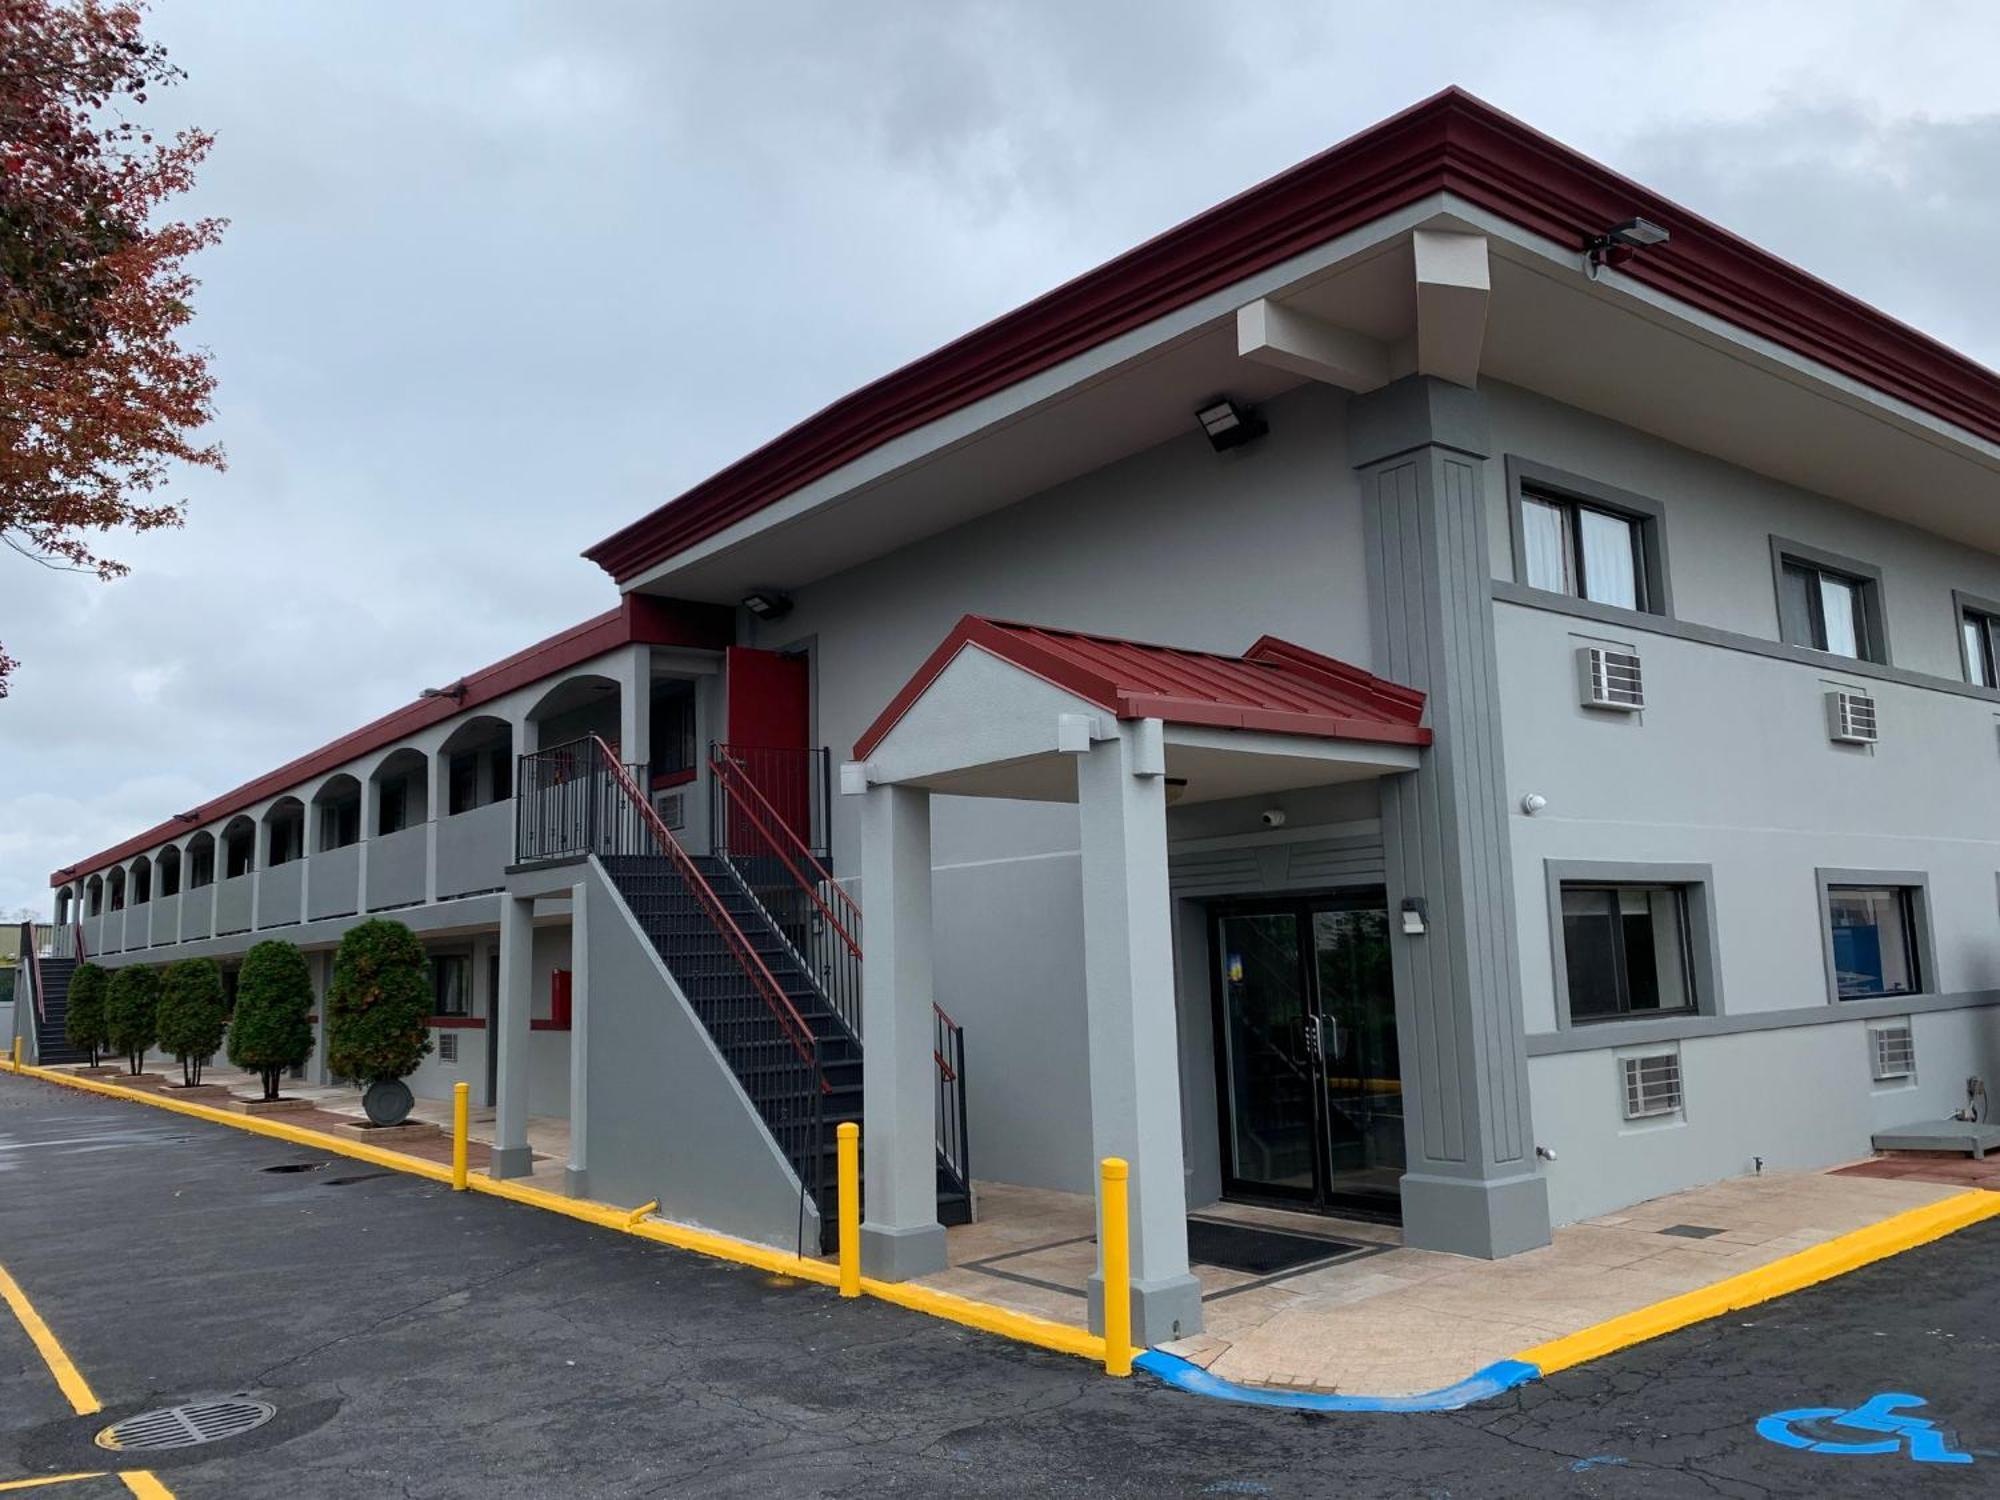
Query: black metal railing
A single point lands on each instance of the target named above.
(580, 799)
(949, 1046)
(785, 875)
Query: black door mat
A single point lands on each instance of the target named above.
(1257, 1251)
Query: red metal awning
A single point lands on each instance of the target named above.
(1275, 687)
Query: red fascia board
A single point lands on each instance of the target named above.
(1451, 142)
(639, 619)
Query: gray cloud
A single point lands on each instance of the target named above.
(501, 277)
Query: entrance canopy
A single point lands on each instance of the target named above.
(1004, 710)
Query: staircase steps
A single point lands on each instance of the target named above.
(52, 1048)
(786, 1094)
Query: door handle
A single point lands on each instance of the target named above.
(1333, 1037)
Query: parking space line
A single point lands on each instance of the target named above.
(82, 1399)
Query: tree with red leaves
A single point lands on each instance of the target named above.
(98, 399)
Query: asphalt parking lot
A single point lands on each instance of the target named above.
(420, 1343)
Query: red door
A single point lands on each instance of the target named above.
(770, 729)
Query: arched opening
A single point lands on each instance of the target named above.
(575, 707)
(167, 870)
(239, 848)
(117, 884)
(402, 791)
(62, 907)
(337, 812)
(284, 832)
(479, 764)
(201, 860)
(94, 896)
(142, 881)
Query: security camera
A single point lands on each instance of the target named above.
(1272, 817)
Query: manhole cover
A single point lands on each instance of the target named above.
(294, 1166)
(186, 1426)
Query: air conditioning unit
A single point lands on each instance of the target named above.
(1610, 679)
(672, 808)
(1893, 1050)
(1652, 1085)
(1850, 718)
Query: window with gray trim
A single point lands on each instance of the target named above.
(1632, 942)
(1590, 541)
(1872, 930)
(1829, 603)
(1978, 638)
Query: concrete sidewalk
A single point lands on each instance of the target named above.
(1393, 1321)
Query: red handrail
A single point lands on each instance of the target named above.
(727, 772)
(761, 978)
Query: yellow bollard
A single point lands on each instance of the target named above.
(849, 1158)
(461, 1101)
(17, 1054)
(1116, 1237)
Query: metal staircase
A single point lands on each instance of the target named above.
(756, 969)
(49, 958)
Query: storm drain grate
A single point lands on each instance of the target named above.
(186, 1426)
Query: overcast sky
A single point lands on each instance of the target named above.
(502, 277)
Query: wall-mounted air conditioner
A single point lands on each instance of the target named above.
(1892, 1051)
(1652, 1085)
(672, 808)
(1850, 718)
(1610, 678)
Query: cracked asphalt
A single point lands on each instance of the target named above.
(425, 1344)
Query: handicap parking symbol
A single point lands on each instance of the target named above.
(1917, 1438)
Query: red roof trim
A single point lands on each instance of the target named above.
(1451, 142)
(1276, 687)
(638, 619)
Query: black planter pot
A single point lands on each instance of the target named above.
(388, 1101)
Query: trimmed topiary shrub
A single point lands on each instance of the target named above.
(83, 1025)
(378, 1003)
(192, 1014)
(132, 1012)
(271, 1031)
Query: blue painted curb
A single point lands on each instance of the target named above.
(1498, 1377)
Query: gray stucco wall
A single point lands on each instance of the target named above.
(473, 849)
(1730, 766)
(668, 1119)
(395, 868)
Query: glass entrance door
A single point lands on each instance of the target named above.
(1311, 1090)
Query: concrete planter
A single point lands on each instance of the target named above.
(278, 1106)
(204, 1093)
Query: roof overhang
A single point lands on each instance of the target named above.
(1004, 710)
(1699, 340)
(638, 620)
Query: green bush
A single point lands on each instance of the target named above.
(192, 1014)
(271, 1031)
(84, 1023)
(132, 1011)
(377, 1004)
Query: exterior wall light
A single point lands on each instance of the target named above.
(1533, 803)
(1621, 242)
(1227, 424)
(768, 604)
(1416, 917)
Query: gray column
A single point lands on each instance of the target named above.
(576, 1176)
(635, 707)
(900, 1234)
(1471, 1186)
(511, 1157)
(437, 798)
(1128, 967)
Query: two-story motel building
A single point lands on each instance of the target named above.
(1446, 687)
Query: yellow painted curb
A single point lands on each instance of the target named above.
(1891, 1236)
(1044, 1333)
